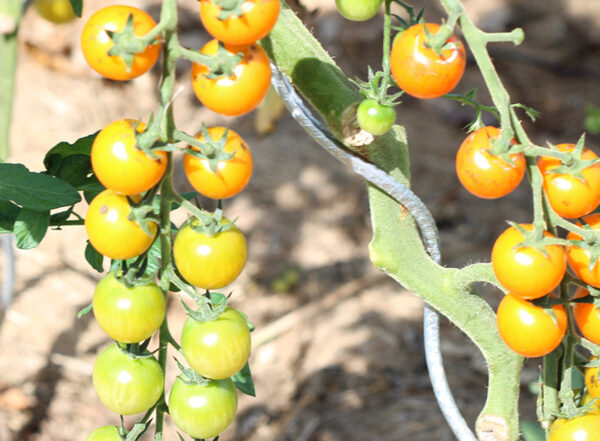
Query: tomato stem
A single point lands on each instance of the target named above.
(385, 62)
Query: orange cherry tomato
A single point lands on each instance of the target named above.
(232, 175)
(524, 271)
(568, 195)
(483, 174)
(419, 70)
(119, 165)
(256, 21)
(592, 384)
(583, 428)
(528, 329)
(579, 258)
(239, 93)
(587, 317)
(95, 42)
(110, 231)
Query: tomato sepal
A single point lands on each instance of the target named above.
(243, 379)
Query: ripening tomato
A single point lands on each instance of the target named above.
(124, 385)
(128, 314)
(419, 70)
(587, 317)
(375, 118)
(232, 175)
(579, 258)
(210, 262)
(55, 11)
(95, 42)
(570, 196)
(203, 411)
(119, 165)
(528, 329)
(592, 381)
(524, 271)
(105, 433)
(218, 348)
(239, 93)
(256, 21)
(358, 10)
(110, 231)
(484, 174)
(582, 428)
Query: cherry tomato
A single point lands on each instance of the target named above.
(358, 10)
(127, 386)
(256, 21)
(579, 258)
(95, 42)
(119, 165)
(232, 175)
(419, 70)
(375, 118)
(524, 271)
(528, 329)
(210, 262)
(128, 315)
(592, 382)
(484, 174)
(55, 11)
(588, 321)
(219, 348)
(203, 411)
(568, 195)
(583, 428)
(110, 231)
(239, 93)
(105, 433)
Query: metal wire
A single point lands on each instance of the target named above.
(6, 293)
(424, 221)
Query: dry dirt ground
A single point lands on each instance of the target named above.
(352, 369)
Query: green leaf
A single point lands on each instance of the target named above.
(532, 431)
(243, 381)
(94, 258)
(30, 228)
(77, 6)
(36, 191)
(8, 215)
(58, 219)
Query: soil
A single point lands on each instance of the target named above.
(350, 365)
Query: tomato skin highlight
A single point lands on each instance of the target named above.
(219, 348)
(358, 10)
(569, 196)
(419, 70)
(259, 17)
(55, 11)
(105, 433)
(119, 165)
(210, 262)
(127, 386)
(232, 175)
(375, 118)
(524, 271)
(579, 258)
(483, 174)
(240, 93)
(128, 315)
(203, 411)
(110, 231)
(95, 42)
(583, 428)
(529, 330)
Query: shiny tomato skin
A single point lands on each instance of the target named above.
(587, 317)
(110, 231)
(579, 258)
(203, 411)
(55, 11)
(219, 348)
(128, 315)
(419, 70)
(127, 386)
(210, 262)
(569, 196)
(375, 118)
(529, 330)
(240, 93)
(105, 433)
(524, 271)
(483, 174)
(232, 175)
(358, 10)
(95, 42)
(583, 428)
(119, 165)
(259, 17)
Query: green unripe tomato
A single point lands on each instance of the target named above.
(375, 118)
(218, 348)
(105, 433)
(358, 10)
(55, 11)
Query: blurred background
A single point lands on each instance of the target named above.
(348, 362)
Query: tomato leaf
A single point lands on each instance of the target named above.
(8, 214)
(94, 258)
(243, 381)
(532, 431)
(58, 219)
(36, 191)
(30, 228)
(77, 6)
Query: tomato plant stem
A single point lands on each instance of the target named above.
(385, 63)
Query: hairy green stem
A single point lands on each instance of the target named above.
(385, 63)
